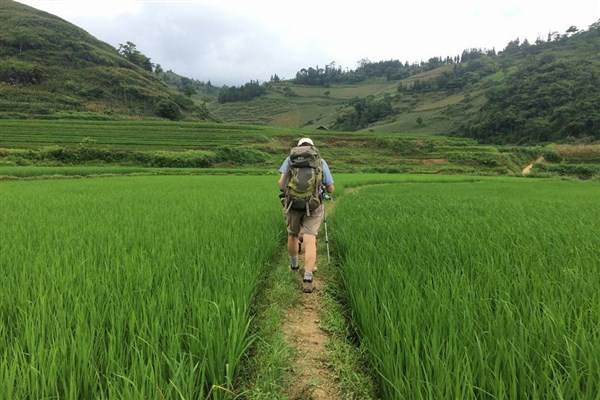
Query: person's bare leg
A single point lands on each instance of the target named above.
(310, 258)
(310, 252)
(293, 250)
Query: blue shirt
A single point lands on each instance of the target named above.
(327, 178)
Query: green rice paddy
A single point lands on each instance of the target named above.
(142, 286)
(475, 290)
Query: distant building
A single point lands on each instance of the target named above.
(322, 128)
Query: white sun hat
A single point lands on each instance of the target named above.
(305, 140)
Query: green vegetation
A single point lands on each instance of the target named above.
(474, 290)
(391, 70)
(168, 109)
(462, 286)
(525, 94)
(162, 144)
(122, 288)
(243, 93)
(265, 372)
(364, 112)
(471, 287)
(544, 101)
(528, 93)
(131, 53)
(50, 68)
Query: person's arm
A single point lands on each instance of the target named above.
(281, 181)
(327, 178)
(283, 172)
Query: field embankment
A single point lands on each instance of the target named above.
(27, 145)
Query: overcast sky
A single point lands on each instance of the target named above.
(232, 42)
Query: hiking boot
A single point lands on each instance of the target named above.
(307, 283)
(296, 268)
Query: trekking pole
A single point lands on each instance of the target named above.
(326, 235)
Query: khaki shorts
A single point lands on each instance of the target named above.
(298, 221)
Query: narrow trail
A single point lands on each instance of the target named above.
(528, 168)
(303, 332)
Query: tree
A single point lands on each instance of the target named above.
(187, 87)
(364, 111)
(130, 52)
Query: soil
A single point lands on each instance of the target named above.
(528, 168)
(301, 328)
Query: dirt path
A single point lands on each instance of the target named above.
(528, 168)
(303, 332)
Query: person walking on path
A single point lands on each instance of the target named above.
(304, 179)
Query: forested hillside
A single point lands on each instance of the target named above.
(526, 93)
(545, 92)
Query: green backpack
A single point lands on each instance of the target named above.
(304, 177)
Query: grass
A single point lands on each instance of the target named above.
(126, 134)
(80, 171)
(122, 287)
(441, 286)
(160, 144)
(347, 359)
(266, 369)
(475, 290)
(579, 152)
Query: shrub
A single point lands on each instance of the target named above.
(240, 155)
(168, 109)
(18, 72)
(581, 171)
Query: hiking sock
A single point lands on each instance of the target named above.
(308, 277)
(294, 262)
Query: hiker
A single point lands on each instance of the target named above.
(305, 214)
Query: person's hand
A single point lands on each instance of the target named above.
(282, 198)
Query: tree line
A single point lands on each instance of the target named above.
(245, 92)
(362, 112)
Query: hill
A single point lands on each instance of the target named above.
(528, 93)
(49, 67)
(548, 91)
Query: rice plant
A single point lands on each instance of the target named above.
(135, 287)
(483, 290)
